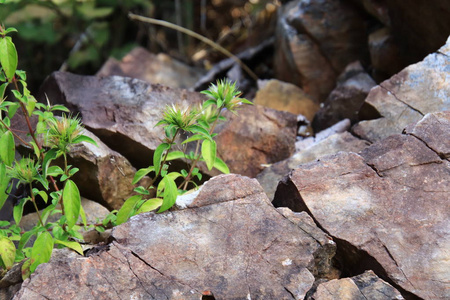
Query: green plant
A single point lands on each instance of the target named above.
(199, 123)
(51, 139)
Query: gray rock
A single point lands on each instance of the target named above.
(406, 97)
(231, 243)
(345, 101)
(387, 209)
(270, 176)
(361, 287)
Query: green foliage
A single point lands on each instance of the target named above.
(199, 123)
(53, 137)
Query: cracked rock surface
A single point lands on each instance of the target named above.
(407, 96)
(230, 242)
(387, 208)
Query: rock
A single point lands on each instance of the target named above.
(105, 175)
(230, 244)
(406, 97)
(361, 287)
(123, 113)
(315, 41)
(286, 97)
(305, 143)
(375, 8)
(346, 99)
(161, 68)
(386, 208)
(384, 54)
(270, 176)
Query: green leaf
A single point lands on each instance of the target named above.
(195, 137)
(7, 252)
(47, 211)
(10, 29)
(2, 90)
(26, 268)
(22, 74)
(170, 194)
(150, 205)
(200, 130)
(60, 108)
(72, 203)
(142, 190)
(175, 155)
(141, 173)
(208, 102)
(42, 250)
(127, 208)
(221, 166)
(83, 216)
(72, 245)
(4, 181)
(54, 171)
(49, 156)
(84, 138)
(157, 156)
(8, 57)
(18, 210)
(209, 153)
(7, 148)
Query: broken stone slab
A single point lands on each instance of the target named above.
(270, 176)
(285, 96)
(123, 113)
(315, 41)
(362, 287)
(345, 101)
(386, 208)
(230, 244)
(407, 96)
(160, 68)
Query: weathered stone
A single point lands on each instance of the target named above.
(346, 99)
(161, 68)
(231, 243)
(286, 97)
(123, 113)
(406, 97)
(361, 287)
(315, 41)
(377, 9)
(270, 176)
(387, 209)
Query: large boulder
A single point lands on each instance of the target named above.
(231, 243)
(407, 96)
(387, 207)
(316, 40)
(123, 113)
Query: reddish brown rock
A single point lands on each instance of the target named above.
(123, 113)
(231, 244)
(387, 208)
(161, 68)
(406, 97)
(316, 40)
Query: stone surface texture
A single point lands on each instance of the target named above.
(160, 68)
(270, 176)
(407, 96)
(387, 207)
(362, 287)
(346, 99)
(123, 113)
(285, 96)
(316, 40)
(219, 246)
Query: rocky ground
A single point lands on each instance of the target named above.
(340, 171)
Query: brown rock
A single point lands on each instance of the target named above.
(406, 97)
(123, 113)
(387, 208)
(286, 97)
(161, 68)
(236, 246)
(361, 287)
(315, 41)
(345, 101)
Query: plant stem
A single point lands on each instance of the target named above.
(35, 205)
